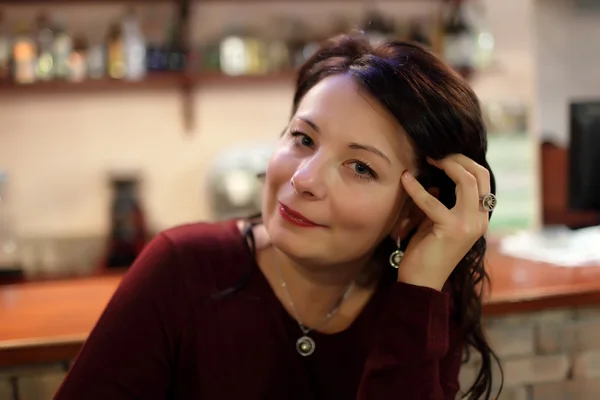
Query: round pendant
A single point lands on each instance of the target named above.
(305, 346)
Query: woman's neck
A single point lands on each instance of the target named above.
(315, 290)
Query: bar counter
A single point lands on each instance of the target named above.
(42, 322)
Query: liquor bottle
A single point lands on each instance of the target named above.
(128, 232)
(459, 39)
(96, 56)
(45, 64)
(134, 47)
(5, 50)
(63, 45)
(78, 65)
(376, 27)
(10, 261)
(24, 56)
(116, 52)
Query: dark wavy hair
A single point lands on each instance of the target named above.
(441, 115)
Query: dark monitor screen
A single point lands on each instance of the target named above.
(584, 156)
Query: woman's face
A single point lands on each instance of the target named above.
(332, 189)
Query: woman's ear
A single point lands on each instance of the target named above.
(411, 218)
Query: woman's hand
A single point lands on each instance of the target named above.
(445, 236)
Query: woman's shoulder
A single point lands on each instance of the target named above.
(204, 236)
(209, 254)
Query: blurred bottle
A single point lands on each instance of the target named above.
(24, 55)
(295, 36)
(128, 227)
(257, 53)
(417, 33)
(78, 64)
(45, 47)
(459, 38)
(377, 27)
(5, 50)
(134, 47)
(116, 52)
(157, 56)
(177, 55)
(10, 260)
(485, 41)
(96, 56)
(63, 45)
(209, 58)
(234, 58)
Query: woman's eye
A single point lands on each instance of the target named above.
(302, 139)
(362, 170)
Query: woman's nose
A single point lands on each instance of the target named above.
(309, 180)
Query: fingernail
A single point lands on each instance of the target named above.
(407, 176)
(431, 160)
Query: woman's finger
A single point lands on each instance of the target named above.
(467, 192)
(431, 206)
(478, 171)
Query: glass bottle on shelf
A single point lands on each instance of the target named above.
(63, 45)
(278, 54)
(24, 56)
(5, 50)
(96, 56)
(10, 261)
(128, 233)
(376, 27)
(116, 53)
(175, 53)
(156, 53)
(295, 36)
(459, 38)
(78, 60)
(234, 57)
(210, 55)
(45, 40)
(134, 47)
(417, 33)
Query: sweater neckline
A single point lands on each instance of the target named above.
(265, 287)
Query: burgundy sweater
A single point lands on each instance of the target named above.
(164, 335)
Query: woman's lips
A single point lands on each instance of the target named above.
(295, 217)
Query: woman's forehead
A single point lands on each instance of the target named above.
(337, 105)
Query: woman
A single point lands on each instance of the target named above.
(384, 154)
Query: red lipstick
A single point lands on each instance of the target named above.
(296, 218)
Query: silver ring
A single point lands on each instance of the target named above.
(488, 202)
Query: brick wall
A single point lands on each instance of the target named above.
(38, 382)
(549, 355)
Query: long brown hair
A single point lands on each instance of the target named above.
(442, 116)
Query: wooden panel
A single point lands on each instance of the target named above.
(555, 210)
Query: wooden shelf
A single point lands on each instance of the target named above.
(152, 81)
(77, 2)
(217, 78)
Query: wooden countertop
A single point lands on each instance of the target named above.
(48, 321)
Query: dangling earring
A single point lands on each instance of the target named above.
(397, 255)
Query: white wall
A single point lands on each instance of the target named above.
(57, 148)
(568, 62)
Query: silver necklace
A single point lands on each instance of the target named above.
(305, 345)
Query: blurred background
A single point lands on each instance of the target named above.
(119, 119)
